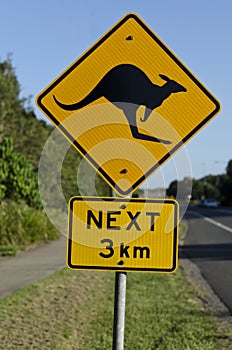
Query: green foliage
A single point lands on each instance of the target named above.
(11, 105)
(218, 187)
(208, 187)
(227, 191)
(22, 138)
(17, 121)
(81, 180)
(229, 169)
(17, 178)
(21, 225)
(29, 136)
(8, 250)
(172, 189)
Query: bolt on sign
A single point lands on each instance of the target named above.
(128, 104)
(122, 234)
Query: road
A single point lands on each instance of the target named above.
(209, 245)
(28, 267)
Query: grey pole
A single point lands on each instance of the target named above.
(119, 310)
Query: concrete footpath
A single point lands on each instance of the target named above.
(30, 266)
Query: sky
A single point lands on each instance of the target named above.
(46, 36)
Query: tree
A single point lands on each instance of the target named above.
(180, 189)
(29, 134)
(172, 189)
(17, 121)
(198, 189)
(11, 106)
(81, 180)
(229, 169)
(207, 187)
(227, 185)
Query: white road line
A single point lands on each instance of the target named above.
(214, 222)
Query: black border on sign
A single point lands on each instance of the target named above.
(82, 150)
(122, 200)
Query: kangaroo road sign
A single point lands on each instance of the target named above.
(127, 104)
(122, 234)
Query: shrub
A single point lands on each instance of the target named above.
(17, 177)
(22, 226)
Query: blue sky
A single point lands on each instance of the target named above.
(45, 37)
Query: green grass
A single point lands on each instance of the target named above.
(22, 226)
(171, 316)
(183, 228)
(74, 310)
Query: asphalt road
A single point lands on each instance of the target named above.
(28, 267)
(209, 245)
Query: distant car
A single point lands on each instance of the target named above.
(209, 203)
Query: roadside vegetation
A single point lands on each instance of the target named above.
(74, 310)
(218, 187)
(22, 137)
(22, 226)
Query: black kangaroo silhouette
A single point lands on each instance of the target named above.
(128, 87)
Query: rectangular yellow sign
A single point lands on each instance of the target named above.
(123, 234)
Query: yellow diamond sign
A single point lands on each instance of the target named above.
(122, 234)
(128, 104)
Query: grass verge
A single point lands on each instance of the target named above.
(74, 310)
(22, 226)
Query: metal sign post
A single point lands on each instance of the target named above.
(119, 310)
